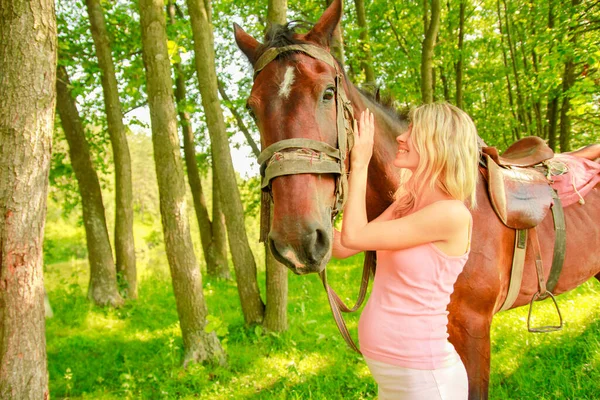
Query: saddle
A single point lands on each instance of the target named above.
(521, 196)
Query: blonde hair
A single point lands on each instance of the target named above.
(446, 140)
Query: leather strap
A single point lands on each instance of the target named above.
(539, 266)
(560, 242)
(516, 274)
(338, 306)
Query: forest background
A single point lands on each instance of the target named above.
(147, 305)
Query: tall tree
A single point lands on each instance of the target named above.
(187, 280)
(215, 254)
(124, 243)
(366, 61)
(568, 81)
(103, 279)
(459, 63)
(27, 98)
(277, 12)
(552, 107)
(243, 259)
(431, 24)
(277, 275)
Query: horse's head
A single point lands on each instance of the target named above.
(297, 106)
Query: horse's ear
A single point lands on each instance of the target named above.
(322, 32)
(246, 43)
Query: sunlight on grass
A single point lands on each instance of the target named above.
(546, 363)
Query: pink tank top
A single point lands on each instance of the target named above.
(405, 320)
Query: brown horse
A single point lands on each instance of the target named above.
(294, 96)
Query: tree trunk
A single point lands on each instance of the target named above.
(366, 61)
(27, 99)
(277, 12)
(565, 118)
(219, 233)
(124, 243)
(552, 107)
(187, 279)
(276, 273)
(459, 64)
(431, 29)
(103, 277)
(189, 150)
(243, 259)
(567, 84)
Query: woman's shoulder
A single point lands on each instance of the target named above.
(449, 210)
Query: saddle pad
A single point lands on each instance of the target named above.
(580, 178)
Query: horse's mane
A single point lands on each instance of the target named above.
(285, 35)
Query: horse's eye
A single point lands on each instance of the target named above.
(328, 94)
(251, 112)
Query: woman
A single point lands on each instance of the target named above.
(422, 242)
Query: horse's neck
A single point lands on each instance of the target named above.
(383, 176)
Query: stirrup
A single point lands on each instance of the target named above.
(547, 328)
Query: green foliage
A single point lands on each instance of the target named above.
(64, 237)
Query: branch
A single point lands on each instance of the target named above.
(145, 103)
(404, 50)
(239, 120)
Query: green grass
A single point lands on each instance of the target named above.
(135, 352)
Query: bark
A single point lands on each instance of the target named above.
(565, 118)
(459, 64)
(189, 150)
(243, 259)
(219, 232)
(27, 100)
(431, 29)
(187, 279)
(552, 108)
(277, 293)
(124, 242)
(103, 276)
(366, 62)
(277, 12)
(444, 79)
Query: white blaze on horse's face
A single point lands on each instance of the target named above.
(285, 88)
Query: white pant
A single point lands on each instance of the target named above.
(448, 383)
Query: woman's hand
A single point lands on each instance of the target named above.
(363, 140)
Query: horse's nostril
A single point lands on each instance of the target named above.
(317, 245)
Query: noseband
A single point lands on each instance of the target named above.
(307, 156)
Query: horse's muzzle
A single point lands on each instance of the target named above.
(308, 253)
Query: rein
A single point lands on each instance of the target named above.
(307, 156)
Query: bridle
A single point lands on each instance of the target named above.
(307, 156)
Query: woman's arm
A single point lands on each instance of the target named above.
(338, 250)
(444, 221)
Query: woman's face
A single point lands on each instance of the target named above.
(406, 156)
